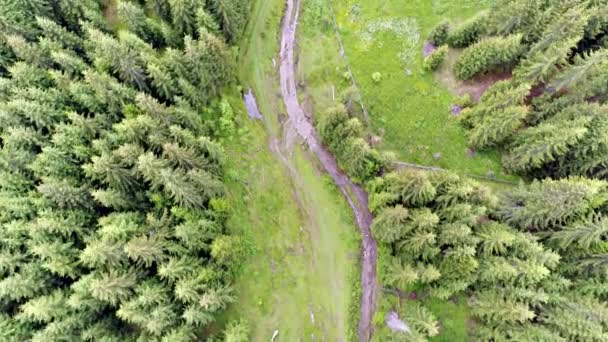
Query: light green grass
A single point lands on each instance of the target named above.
(305, 245)
(319, 61)
(303, 252)
(453, 317)
(409, 107)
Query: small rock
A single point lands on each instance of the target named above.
(491, 174)
(470, 153)
(274, 335)
(375, 140)
(456, 110)
(428, 49)
(395, 324)
(437, 155)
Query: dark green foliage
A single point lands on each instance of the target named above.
(551, 202)
(488, 55)
(556, 125)
(439, 34)
(571, 137)
(468, 32)
(461, 239)
(343, 136)
(518, 16)
(112, 217)
(436, 58)
(231, 15)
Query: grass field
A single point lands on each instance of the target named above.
(319, 62)
(299, 276)
(408, 107)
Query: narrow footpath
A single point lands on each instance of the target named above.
(355, 195)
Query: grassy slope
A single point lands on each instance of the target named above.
(319, 62)
(304, 251)
(412, 111)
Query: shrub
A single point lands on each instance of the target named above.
(435, 59)
(488, 55)
(468, 33)
(464, 101)
(439, 34)
(346, 76)
(377, 77)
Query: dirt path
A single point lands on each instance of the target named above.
(354, 194)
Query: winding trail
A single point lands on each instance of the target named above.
(354, 194)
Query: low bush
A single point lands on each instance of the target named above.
(377, 77)
(439, 34)
(464, 101)
(487, 55)
(436, 59)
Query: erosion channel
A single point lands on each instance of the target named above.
(354, 194)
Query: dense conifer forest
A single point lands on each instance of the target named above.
(550, 116)
(112, 215)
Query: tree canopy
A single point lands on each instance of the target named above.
(112, 207)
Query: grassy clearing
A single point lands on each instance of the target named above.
(319, 62)
(453, 317)
(298, 278)
(408, 106)
(300, 266)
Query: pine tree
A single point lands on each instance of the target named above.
(44, 308)
(183, 14)
(160, 7)
(455, 234)
(57, 257)
(389, 225)
(413, 188)
(100, 253)
(59, 34)
(490, 307)
(548, 141)
(585, 234)
(178, 268)
(507, 17)
(145, 250)
(112, 287)
(554, 46)
(495, 270)
(421, 320)
(232, 16)
(495, 238)
(498, 128)
(400, 275)
(550, 202)
(488, 55)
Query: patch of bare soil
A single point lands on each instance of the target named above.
(478, 85)
(109, 12)
(475, 87)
